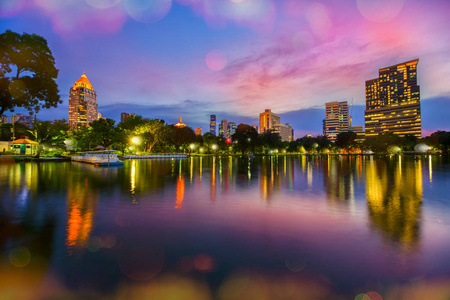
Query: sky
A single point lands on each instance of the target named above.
(235, 58)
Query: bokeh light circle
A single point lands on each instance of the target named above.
(147, 11)
(19, 257)
(362, 297)
(380, 10)
(141, 262)
(102, 4)
(421, 148)
(374, 296)
(216, 60)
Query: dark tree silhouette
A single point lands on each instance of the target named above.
(27, 74)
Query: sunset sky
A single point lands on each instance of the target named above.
(235, 58)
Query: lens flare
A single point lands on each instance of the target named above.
(148, 11)
(374, 296)
(19, 257)
(380, 10)
(216, 60)
(102, 4)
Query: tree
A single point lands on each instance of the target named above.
(246, 137)
(345, 140)
(27, 74)
(44, 133)
(103, 131)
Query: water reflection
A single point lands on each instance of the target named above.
(394, 197)
(81, 206)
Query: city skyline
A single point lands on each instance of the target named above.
(238, 59)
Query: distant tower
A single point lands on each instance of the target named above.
(212, 124)
(336, 119)
(267, 120)
(223, 128)
(198, 131)
(231, 129)
(180, 124)
(83, 107)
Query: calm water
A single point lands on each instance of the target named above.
(227, 228)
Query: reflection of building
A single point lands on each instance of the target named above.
(80, 214)
(394, 198)
(198, 131)
(338, 178)
(223, 128)
(285, 132)
(267, 120)
(180, 124)
(336, 119)
(212, 124)
(393, 101)
(180, 191)
(83, 107)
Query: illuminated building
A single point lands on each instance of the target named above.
(285, 132)
(198, 131)
(223, 128)
(124, 115)
(336, 119)
(212, 124)
(22, 119)
(393, 101)
(3, 119)
(231, 129)
(256, 127)
(180, 124)
(267, 120)
(83, 107)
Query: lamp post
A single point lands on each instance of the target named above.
(192, 147)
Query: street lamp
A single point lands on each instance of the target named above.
(192, 147)
(214, 147)
(136, 140)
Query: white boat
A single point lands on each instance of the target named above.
(99, 158)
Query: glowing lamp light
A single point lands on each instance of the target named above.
(201, 150)
(214, 147)
(192, 146)
(228, 141)
(393, 149)
(422, 148)
(136, 140)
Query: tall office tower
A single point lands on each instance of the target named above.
(231, 129)
(83, 107)
(212, 124)
(336, 119)
(198, 131)
(223, 128)
(267, 119)
(393, 101)
(285, 131)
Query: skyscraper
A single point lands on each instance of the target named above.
(336, 119)
(393, 101)
(231, 129)
(198, 131)
(223, 128)
(83, 107)
(285, 131)
(125, 115)
(267, 120)
(212, 124)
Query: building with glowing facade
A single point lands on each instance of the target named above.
(223, 128)
(267, 120)
(393, 101)
(336, 120)
(83, 107)
(212, 124)
(285, 131)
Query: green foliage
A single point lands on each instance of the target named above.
(246, 137)
(346, 140)
(48, 134)
(269, 140)
(103, 132)
(27, 74)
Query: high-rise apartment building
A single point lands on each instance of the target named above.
(393, 101)
(212, 124)
(223, 128)
(336, 119)
(231, 129)
(285, 131)
(83, 107)
(267, 120)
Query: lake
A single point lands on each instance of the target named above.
(286, 227)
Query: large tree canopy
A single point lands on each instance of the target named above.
(27, 74)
